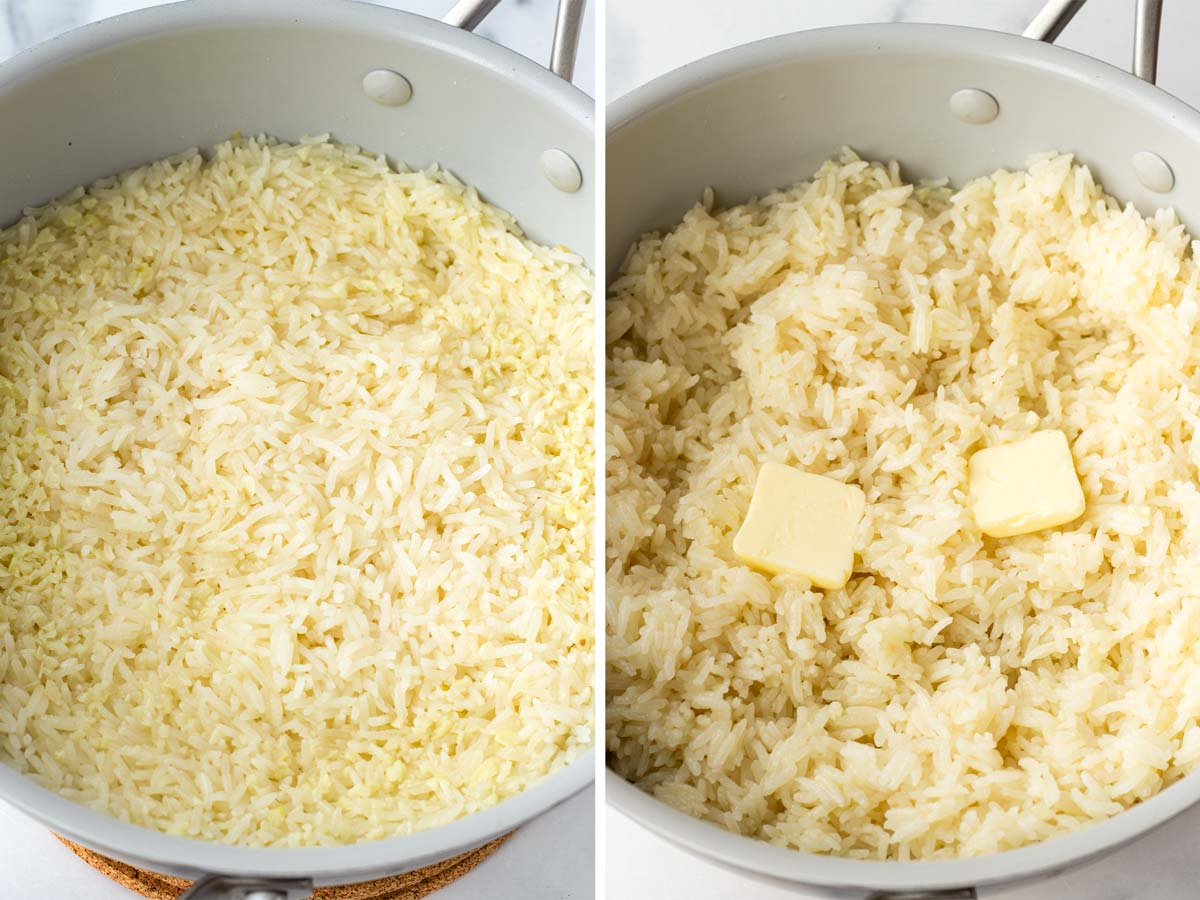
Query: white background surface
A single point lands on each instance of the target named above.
(549, 859)
(646, 38)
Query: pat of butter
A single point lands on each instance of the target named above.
(801, 524)
(1026, 486)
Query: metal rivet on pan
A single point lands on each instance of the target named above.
(561, 171)
(973, 106)
(387, 88)
(1153, 172)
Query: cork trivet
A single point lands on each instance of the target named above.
(409, 886)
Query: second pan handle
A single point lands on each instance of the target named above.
(1054, 16)
(467, 14)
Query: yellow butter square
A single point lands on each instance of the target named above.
(1025, 486)
(801, 524)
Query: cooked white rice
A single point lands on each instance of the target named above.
(295, 498)
(962, 695)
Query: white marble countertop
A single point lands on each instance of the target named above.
(551, 858)
(647, 39)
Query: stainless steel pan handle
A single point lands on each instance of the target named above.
(1146, 29)
(1048, 24)
(467, 14)
(1051, 19)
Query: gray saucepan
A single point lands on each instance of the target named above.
(765, 115)
(142, 86)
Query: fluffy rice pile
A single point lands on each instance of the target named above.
(962, 695)
(295, 498)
